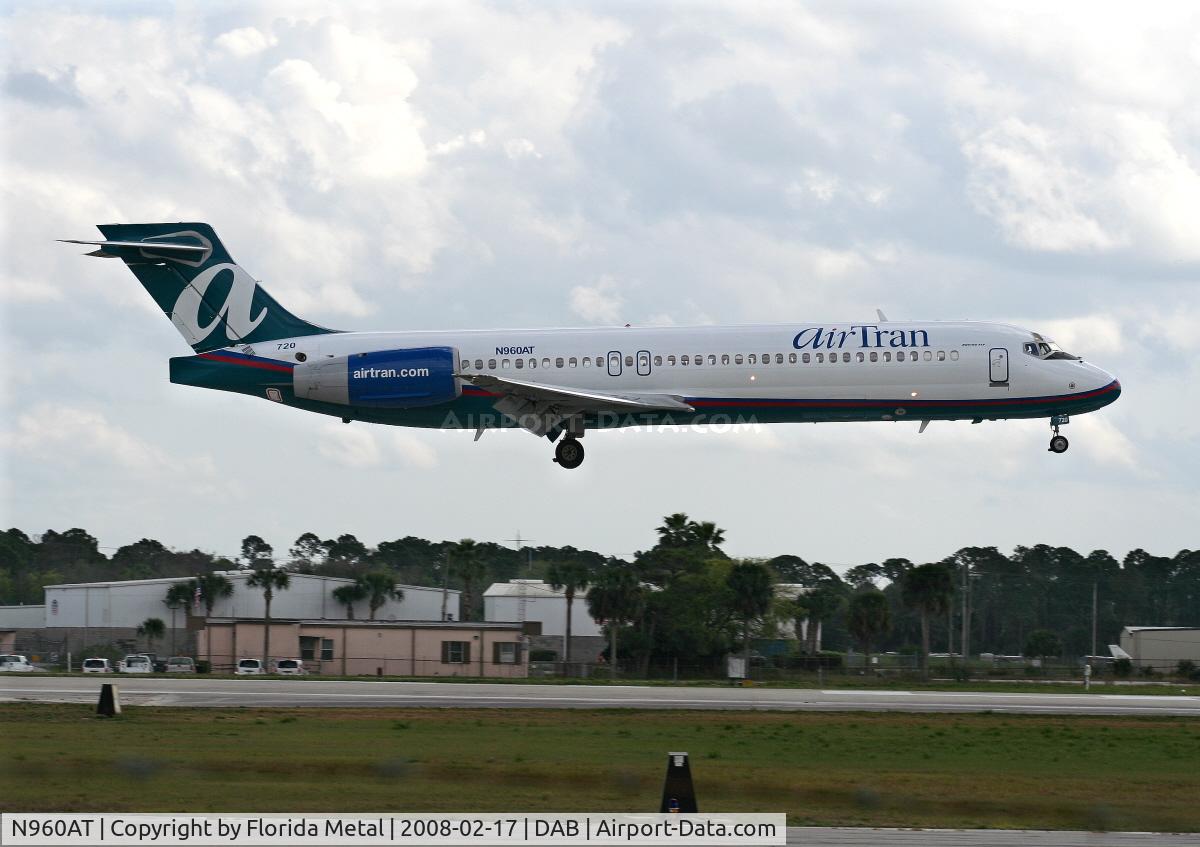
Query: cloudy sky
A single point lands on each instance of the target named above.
(392, 166)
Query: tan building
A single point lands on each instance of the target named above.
(1161, 647)
(372, 648)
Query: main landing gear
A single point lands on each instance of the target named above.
(1059, 443)
(569, 452)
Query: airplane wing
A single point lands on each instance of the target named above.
(540, 408)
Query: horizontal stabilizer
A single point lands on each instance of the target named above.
(159, 246)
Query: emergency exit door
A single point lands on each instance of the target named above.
(998, 366)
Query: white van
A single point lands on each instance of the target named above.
(249, 667)
(15, 663)
(97, 666)
(290, 667)
(137, 663)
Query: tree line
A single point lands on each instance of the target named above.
(685, 599)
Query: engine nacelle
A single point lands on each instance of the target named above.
(384, 379)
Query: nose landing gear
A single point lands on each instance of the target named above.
(1059, 443)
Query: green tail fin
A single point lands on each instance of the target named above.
(211, 300)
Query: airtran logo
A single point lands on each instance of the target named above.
(234, 312)
(865, 336)
(389, 373)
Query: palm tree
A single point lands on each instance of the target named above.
(868, 617)
(179, 595)
(927, 589)
(211, 587)
(378, 587)
(750, 585)
(674, 530)
(470, 568)
(152, 629)
(269, 579)
(615, 598)
(708, 534)
(568, 577)
(822, 604)
(348, 595)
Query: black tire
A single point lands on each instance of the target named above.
(1059, 444)
(569, 453)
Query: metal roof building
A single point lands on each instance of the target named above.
(1161, 648)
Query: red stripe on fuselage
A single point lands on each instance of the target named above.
(262, 364)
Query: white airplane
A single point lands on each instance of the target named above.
(559, 383)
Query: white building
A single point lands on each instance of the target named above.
(1161, 647)
(529, 600)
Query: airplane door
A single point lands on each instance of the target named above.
(998, 364)
(614, 363)
(643, 363)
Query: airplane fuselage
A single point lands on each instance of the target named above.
(808, 372)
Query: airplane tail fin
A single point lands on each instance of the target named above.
(211, 300)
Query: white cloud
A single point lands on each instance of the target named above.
(600, 303)
(244, 41)
(72, 436)
(350, 445)
(414, 450)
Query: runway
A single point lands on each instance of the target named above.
(201, 692)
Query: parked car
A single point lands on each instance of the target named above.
(290, 667)
(136, 663)
(15, 663)
(249, 667)
(181, 664)
(97, 666)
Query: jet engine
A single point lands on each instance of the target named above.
(384, 379)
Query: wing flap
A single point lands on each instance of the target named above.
(541, 408)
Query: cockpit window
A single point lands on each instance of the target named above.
(1046, 349)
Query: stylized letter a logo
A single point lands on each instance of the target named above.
(235, 311)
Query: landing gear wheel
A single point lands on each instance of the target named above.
(569, 453)
(1059, 444)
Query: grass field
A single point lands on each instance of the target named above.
(820, 768)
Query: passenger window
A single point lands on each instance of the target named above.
(658, 361)
(820, 358)
(698, 360)
(587, 361)
(558, 363)
(858, 357)
(912, 357)
(479, 364)
(833, 358)
(928, 357)
(752, 359)
(941, 355)
(845, 357)
(792, 357)
(887, 357)
(533, 363)
(492, 364)
(874, 356)
(724, 358)
(599, 361)
(737, 359)
(671, 361)
(807, 358)
(465, 365)
(629, 361)
(954, 355)
(520, 363)
(684, 360)
(504, 363)
(573, 362)
(712, 358)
